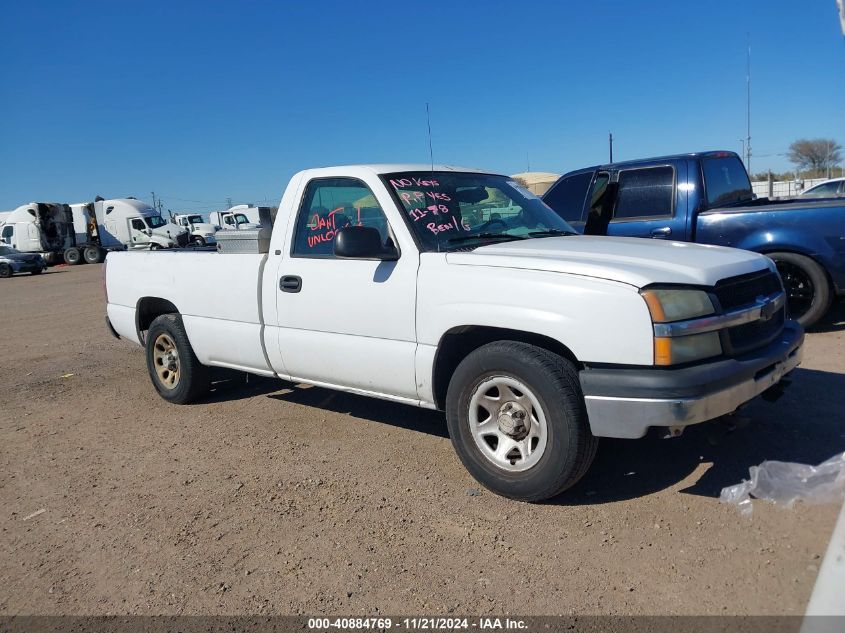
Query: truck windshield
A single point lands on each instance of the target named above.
(194, 219)
(726, 181)
(240, 218)
(454, 210)
(155, 221)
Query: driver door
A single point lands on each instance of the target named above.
(346, 322)
(138, 232)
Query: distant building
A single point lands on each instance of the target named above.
(538, 182)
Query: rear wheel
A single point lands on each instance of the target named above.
(73, 256)
(37, 271)
(199, 241)
(154, 246)
(174, 369)
(518, 421)
(92, 254)
(5, 270)
(807, 289)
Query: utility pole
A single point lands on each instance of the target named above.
(748, 104)
(153, 194)
(742, 142)
(228, 203)
(610, 142)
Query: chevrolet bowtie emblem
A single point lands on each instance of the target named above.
(767, 308)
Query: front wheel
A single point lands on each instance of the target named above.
(807, 289)
(177, 374)
(518, 421)
(199, 241)
(154, 246)
(5, 270)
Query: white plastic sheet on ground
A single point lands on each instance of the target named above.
(784, 483)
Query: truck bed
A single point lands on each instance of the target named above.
(197, 282)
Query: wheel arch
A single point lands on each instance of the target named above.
(769, 250)
(147, 310)
(460, 341)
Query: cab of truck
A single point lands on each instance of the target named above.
(39, 227)
(202, 232)
(138, 225)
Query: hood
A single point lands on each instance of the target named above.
(170, 230)
(631, 260)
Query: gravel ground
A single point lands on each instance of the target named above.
(284, 499)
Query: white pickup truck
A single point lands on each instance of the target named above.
(459, 290)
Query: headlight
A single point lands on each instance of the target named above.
(671, 304)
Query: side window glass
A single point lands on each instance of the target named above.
(645, 193)
(567, 196)
(330, 204)
(8, 231)
(138, 225)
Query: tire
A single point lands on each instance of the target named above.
(92, 254)
(807, 288)
(73, 256)
(37, 271)
(530, 383)
(154, 246)
(5, 271)
(184, 379)
(199, 241)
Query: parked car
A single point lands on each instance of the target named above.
(831, 189)
(707, 198)
(13, 261)
(459, 290)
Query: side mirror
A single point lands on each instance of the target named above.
(362, 242)
(149, 232)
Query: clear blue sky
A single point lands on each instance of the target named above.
(201, 101)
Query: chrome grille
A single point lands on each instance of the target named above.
(739, 292)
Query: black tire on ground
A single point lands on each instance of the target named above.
(199, 241)
(37, 271)
(92, 254)
(184, 381)
(73, 256)
(553, 381)
(5, 270)
(808, 293)
(154, 246)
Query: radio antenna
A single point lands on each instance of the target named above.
(428, 122)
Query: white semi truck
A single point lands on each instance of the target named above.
(39, 227)
(242, 217)
(201, 232)
(119, 224)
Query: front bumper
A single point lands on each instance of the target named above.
(624, 403)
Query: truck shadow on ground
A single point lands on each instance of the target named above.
(834, 320)
(382, 411)
(805, 426)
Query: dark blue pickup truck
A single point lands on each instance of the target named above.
(706, 198)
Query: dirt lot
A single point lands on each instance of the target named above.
(272, 498)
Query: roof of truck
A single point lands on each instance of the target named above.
(390, 168)
(654, 159)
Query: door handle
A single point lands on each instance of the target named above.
(290, 283)
(662, 232)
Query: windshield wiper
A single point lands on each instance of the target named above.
(484, 236)
(550, 233)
